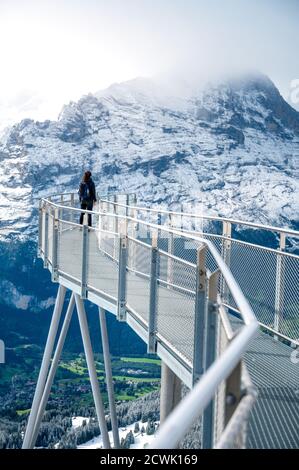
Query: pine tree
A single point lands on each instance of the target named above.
(150, 428)
(136, 428)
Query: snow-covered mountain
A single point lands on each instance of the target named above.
(234, 145)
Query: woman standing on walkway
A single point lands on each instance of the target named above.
(87, 195)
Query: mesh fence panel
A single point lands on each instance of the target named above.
(70, 249)
(102, 269)
(139, 257)
(43, 230)
(270, 283)
(214, 227)
(255, 271)
(50, 236)
(108, 243)
(121, 199)
(138, 283)
(176, 308)
(289, 293)
(217, 241)
(181, 275)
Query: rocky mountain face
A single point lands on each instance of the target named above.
(232, 145)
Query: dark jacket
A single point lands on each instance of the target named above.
(92, 191)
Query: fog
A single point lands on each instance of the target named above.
(55, 51)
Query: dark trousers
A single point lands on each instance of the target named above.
(87, 205)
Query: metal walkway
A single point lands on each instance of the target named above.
(178, 287)
(275, 418)
(176, 308)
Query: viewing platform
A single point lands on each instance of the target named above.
(216, 299)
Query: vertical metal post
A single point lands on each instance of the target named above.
(127, 204)
(40, 227)
(135, 216)
(115, 227)
(46, 235)
(72, 205)
(84, 272)
(279, 284)
(109, 378)
(44, 366)
(199, 317)
(182, 215)
(55, 246)
(170, 251)
(210, 353)
(101, 208)
(226, 251)
(152, 344)
(159, 222)
(170, 393)
(122, 281)
(53, 369)
(115, 211)
(92, 371)
(133, 253)
(106, 219)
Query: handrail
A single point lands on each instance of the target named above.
(244, 307)
(203, 392)
(271, 228)
(199, 397)
(272, 323)
(281, 256)
(209, 217)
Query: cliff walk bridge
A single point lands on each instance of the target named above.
(216, 299)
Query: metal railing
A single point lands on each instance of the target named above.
(178, 286)
(268, 274)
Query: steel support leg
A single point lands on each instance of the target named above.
(92, 371)
(170, 394)
(109, 379)
(53, 369)
(44, 367)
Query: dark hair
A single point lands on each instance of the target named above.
(86, 176)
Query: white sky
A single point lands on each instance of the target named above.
(54, 51)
